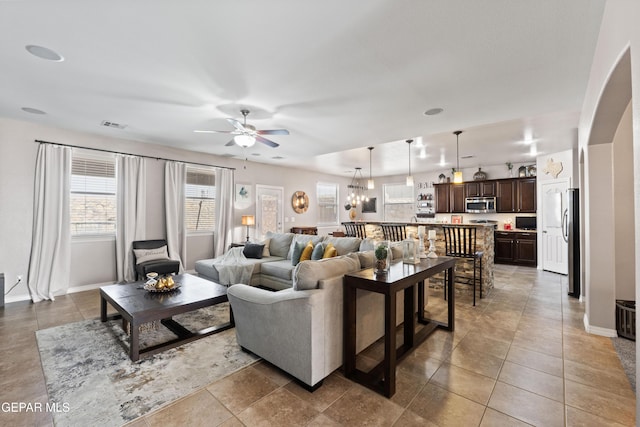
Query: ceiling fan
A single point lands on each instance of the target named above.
(246, 135)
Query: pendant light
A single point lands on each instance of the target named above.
(457, 175)
(409, 177)
(356, 192)
(370, 184)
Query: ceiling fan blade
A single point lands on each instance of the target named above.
(273, 132)
(236, 124)
(230, 143)
(235, 132)
(267, 141)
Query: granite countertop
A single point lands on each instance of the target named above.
(518, 230)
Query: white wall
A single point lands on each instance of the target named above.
(93, 261)
(619, 32)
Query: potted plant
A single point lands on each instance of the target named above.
(382, 253)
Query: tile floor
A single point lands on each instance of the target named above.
(520, 357)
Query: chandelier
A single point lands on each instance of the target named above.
(356, 190)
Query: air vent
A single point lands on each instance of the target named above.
(277, 157)
(467, 157)
(113, 124)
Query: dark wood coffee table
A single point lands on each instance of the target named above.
(137, 306)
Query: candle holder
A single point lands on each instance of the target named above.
(432, 249)
(421, 245)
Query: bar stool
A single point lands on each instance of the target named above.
(394, 232)
(355, 229)
(460, 241)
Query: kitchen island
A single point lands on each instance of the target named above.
(484, 243)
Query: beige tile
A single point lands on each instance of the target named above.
(534, 381)
(535, 360)
(444, 408)
(493, 418)
(467, 384)
(410, 419)
(279, 408)
(138, 422)
(606, 378)
(419, 365)
(576, 417)
(539, 343)
(232, 422)
(323, 421)
(480, 363)
(407, 387)
(526, 406)
(602, 403)
(332, 389)
(483, 344)
(198, 409)
(241, 389)
(274, 373)
(361, 406)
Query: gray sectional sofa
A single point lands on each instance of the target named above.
(275, 271)
(300, 329)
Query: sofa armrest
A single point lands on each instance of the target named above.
(285, 328)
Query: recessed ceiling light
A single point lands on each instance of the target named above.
(255, 154)
(44, 53)
(433, 111)
(277, 157)
(32, 110)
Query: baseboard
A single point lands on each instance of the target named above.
(72, 290)
(596, 330)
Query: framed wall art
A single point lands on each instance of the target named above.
(243, 196)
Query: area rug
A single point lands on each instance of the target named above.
(626, 350)
(88, 371)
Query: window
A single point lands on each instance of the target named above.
(327, 195)
(398, 202)
(200, 199)
(93, 194)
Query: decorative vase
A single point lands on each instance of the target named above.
(480, 176)
(382, 252)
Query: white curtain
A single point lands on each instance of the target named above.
(175, 177)
(50, 261)
(224, 210)
(131, 213)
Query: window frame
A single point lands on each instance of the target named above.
(195, 169)
(320, 206)
(89, 155)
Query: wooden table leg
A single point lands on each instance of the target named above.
(409, 317)
(349, 338)
(134, 340)
(390, 344)
(451, 303)
(103, 309)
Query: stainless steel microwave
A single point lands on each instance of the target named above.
(480, 204)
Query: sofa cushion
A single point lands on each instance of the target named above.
(298, 247)
(303, 238)
(367, 259)
(329, 251)
(279, 243)
(318, 251)
(307, 273)
(306, 252)
(253, 250)
(281, 269)
(144, 255)
(367, 244)
(344, 245)
(265, 251)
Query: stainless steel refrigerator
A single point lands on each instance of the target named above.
(571, 234)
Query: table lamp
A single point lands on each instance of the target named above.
(248, 220)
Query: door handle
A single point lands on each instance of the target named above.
(565, 225)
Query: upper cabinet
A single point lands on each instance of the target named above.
(513, 195)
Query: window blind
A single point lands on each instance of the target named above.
(200, 195)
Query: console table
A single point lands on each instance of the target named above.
(382, 378)
(305, 230)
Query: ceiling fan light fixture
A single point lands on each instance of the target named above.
(244, 141)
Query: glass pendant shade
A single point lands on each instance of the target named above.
(244, 140)
(457, 177)
(410, 181)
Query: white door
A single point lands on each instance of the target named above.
(554, 248)
(269, 209)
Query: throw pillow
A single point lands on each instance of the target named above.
(265, 251)
(253, 250)
(318, 251)
(306, 252)
(330, 251)
(298, 247)
(144, 255)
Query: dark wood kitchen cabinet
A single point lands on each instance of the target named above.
(442, 198)
(456, 198)
(516, 195)
(480, 189)
(518, 248)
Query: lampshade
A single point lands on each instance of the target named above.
(248, 220)
(457, 177)
(244, 140)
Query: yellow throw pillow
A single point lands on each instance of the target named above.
(330, 251)
(306, 252)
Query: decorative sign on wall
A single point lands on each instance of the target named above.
(553, 168)
(243, 196)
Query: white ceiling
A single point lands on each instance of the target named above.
(339, 75)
